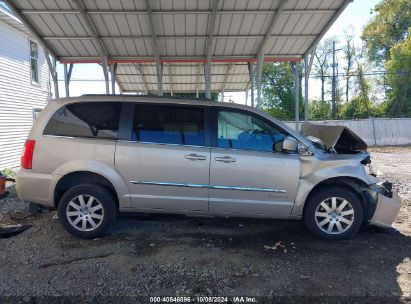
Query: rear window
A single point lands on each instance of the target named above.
(88, 120)
(169, 124)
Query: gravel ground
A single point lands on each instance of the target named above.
(162, 255)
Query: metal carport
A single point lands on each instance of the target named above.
(157, 46)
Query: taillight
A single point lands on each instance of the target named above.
(27, 156)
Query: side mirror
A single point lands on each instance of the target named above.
(290, 144)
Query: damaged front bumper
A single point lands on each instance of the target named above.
(387, 205)
(387, 209)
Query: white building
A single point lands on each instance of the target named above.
(24, 86)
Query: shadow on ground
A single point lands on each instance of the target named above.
(259, 257)
(175, 256)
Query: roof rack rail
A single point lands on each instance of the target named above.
(152, 96)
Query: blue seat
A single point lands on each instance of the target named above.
(160, 137)
(223, 143)
(194, 138)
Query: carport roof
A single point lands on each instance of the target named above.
(181, 34)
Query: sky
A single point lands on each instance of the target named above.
(356, 14)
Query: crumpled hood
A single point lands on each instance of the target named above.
(340, 138)
(349, 158)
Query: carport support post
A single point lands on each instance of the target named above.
(260, 63)
(251, 72)
(105, 72)
(306, 75)
(307, 71)
(113, 69)
(55, 79)
(67, 78)
(207, 79)
(66, 81)
(197, 81)
(159, 72)
(53, 72)
(294, 68)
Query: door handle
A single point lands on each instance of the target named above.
(225, 159)
(195, 157)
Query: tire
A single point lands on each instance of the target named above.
(90, 204)
(345, 220)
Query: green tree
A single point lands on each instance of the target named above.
(386, 39)
(319, 110)
(323, 63)
(361, 105)
(399, 78)
(279, 91)
(388, 27)
(349, 51)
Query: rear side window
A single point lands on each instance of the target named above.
(88, 120)
(168, 124)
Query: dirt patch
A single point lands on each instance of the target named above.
(174, 255)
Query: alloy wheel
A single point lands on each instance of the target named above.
(334, 215)
(85, 212)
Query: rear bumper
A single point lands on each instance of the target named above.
(35, 187)
(387, 209)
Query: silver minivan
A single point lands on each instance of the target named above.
(94, 156)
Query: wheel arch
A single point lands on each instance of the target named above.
(75, 178)
(92, 167)
(355, 185)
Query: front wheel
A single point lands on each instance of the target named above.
(87, 211)
(334, 213)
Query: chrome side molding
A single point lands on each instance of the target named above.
(208, 186)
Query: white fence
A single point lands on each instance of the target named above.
(375, 131)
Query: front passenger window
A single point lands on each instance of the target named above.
(238, 130)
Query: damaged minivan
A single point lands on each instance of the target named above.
(92, 157)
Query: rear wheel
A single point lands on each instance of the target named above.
(334, 213)
(87, 211)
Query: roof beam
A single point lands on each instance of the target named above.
(209, 47)
(261, 50)
(191, 83)
(159, 68)
(92, 29)
(176, 37)
(180, 91)
(211, 28)
(100, 46)
(179, 59)
(183, 75)
(270, 28)
(164, 12)
(329, 24)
